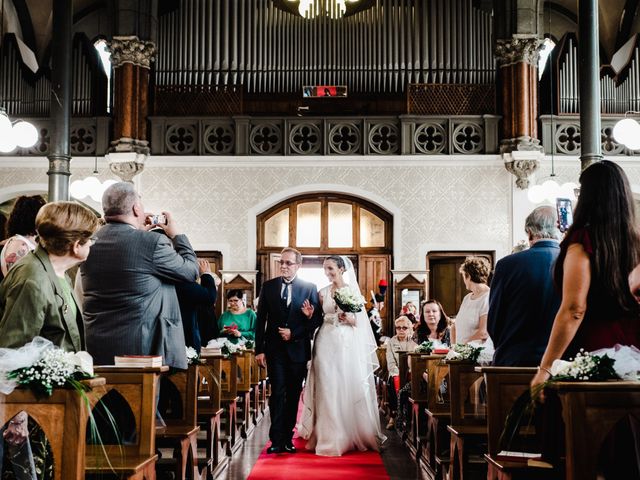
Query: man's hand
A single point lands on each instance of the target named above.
(261, 360)
(17, 431)
(307, 308)
(204, 266)
(285, 333)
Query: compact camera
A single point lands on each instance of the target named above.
(157, 219)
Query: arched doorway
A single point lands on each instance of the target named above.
(320, 224)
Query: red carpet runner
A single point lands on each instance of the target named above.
(307, 466)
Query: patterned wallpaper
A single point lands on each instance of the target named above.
(461, 206)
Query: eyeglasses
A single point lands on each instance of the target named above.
(286, 263)
(92, 241)
(402, 328)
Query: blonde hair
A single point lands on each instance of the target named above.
(405, 319)
(477, 268)
(60, 224)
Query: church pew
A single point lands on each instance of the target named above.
(182, 427)
(382, 374)
(504, 386)
(63, 419)
(136, 460)
(468, 425)
(438, 411)
(589, 412)
(244, 360)
(418, 402)
(229, 429)
(210, 412)
(265, 389)
(256, 385)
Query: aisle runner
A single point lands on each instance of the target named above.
(306, 465)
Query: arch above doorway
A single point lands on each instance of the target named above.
(357, 193)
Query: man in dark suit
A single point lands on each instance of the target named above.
(523, 300)
(283, 344)
(130, 302)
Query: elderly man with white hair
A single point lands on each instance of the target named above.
(523, 301)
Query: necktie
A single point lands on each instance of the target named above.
(285, 293)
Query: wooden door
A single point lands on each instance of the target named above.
(371, 269)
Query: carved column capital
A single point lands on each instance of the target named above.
(518, 49)
(126, 165)
(522, 165)
(131, 49)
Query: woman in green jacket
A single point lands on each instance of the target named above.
(238, 321)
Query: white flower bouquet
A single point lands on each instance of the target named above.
(463, 352)
(42, 367)
(425, 348)
(584, 367)
(348, 301)
(229, 348)
(192, 356)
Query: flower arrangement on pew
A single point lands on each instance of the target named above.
(41, 367)
(193, 358)
(348, 301)
(425, 347)
(462, 352)
(229, 348)
(617, 363)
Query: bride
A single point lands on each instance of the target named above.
(340, 405)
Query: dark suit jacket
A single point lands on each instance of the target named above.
(523, 304)
(193, 296)
(32, 303)
(130, 302)
(272, 314)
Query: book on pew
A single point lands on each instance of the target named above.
(529, 458)
(205, 351)
(138, 361)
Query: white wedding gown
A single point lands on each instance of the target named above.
(340, 404)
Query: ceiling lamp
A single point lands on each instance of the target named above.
(314, 8)
(21, 134)
(627, 132)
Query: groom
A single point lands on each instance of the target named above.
(283, 344)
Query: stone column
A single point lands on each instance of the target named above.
(131, 59)
(518, 62)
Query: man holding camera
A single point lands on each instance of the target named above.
(130, 302)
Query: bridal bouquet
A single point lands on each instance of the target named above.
(348, 301)
(41, 366)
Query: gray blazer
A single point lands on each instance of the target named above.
(130, 303)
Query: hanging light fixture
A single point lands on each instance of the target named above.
(627, 132)
(19, 134)
(90, 186)
(314, 8)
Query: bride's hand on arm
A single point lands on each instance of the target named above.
(348, 318)
(307, 308)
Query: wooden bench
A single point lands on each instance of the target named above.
(382, 374)
(590, 411)
(63, 419)
(504, 386)
(468, 426)
(182, 427)
(256, 411)
(210, 414)
(435, 454)
(138, 387)
(244, 423)
(418, 401)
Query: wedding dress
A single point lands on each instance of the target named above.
(340, 404)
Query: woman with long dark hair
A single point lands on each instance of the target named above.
(433, 324)
(597, 254)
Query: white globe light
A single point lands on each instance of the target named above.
(536, 194)
(7, 143)
(567, 190)
(26, 134)
(627, 133)
(76, 189)
(551, 189)
(5, 125)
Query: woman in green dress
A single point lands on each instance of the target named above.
(238, 321)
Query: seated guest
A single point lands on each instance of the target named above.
(400, 342)
(523, 301)
(410, 311)
(433, 324)
(36, 297)
(471, 321)
(21, 231)
(238, 321)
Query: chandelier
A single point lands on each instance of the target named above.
(330, 8)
